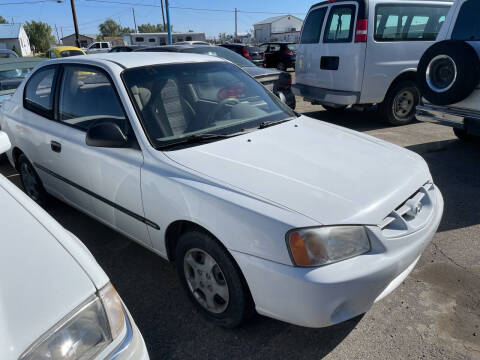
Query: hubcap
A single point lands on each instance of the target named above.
(30, 182)
(206, 280)
(403, 104)
(441, 73)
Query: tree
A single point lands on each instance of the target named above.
(151, 28)
(2, 20)
(17, 51)
(111, 28)
(39, 34)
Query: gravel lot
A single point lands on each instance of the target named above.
(434, 314)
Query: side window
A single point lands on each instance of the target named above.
(104, 45)
(312, 27)
(340, 24)
(152, 40)
(96, 46)
(467, 26)
(86, 97)
(38, 95)
(395, 22)
(139, 39)
(264, 47)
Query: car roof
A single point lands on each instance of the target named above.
(65, 48)
(134, 59)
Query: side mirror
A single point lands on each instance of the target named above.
(106, 134)
(4, 142)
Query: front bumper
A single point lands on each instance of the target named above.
(323, 296)
(320, 96)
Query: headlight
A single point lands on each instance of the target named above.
(326, 245)
(83, 333)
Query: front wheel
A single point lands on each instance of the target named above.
(400, 104)
(212, 280)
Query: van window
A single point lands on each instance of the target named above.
(313, 26)
(340, 24)
(152, 40)
(139, 39)
(467, 26)
(395, 22)
(104, 45)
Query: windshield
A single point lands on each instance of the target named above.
(222, 53)
(178, 101)
(11, 75)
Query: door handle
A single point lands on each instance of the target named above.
(329, 62)
(56, 146)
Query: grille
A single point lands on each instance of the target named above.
(412, 214)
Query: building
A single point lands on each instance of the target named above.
(155, 39)
(84, 40)
(278, 28)
(14, 35)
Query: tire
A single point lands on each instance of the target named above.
(335, 109)
(463, 134)
(437, 68)
(32, 185)
(230, 305)
(400, 104)
(281, 66)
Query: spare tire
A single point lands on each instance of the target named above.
(448, 72)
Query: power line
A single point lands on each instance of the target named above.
(27, 2)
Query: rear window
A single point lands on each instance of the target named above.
(394, 22)
(312, 27)
(340, 24)
(467, 26)
(254, 49)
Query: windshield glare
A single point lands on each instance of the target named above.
(177, 101)
(224, 54)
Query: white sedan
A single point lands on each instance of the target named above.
(259, 208)
(56, 302)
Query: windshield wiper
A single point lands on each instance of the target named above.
(199, 138)
(266, 124)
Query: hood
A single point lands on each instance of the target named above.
(328, 173)
(40, 280)
(256, 71)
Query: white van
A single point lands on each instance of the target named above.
(359, 52)
(99, 47)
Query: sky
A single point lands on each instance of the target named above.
(90, 13)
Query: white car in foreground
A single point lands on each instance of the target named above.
(56, 301)
(262, 209)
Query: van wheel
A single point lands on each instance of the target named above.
(31, 182)
(334, 109)
(400, 104)
(212, 280)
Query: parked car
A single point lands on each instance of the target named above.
(278, 82)
(359, 53)
(12, 73)
(64, 51)
(125, 48)
(252, 53)
(449, 73)
(258, 207)
(75, 312)
(99, 47)
(280, 55)
(8, 54)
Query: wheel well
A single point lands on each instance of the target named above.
(406, 76)
(177, 229)
(16, 152)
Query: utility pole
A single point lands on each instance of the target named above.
(169, 29)
(13, 21)
(61, 31)
(134, 21)
(58, 38)
(75, 24)
(236, 23)
(163, 14)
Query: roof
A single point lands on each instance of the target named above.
(91, 36)
(276, 18)
(132, 59)
(10, 31)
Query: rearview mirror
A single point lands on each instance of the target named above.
(106, 134)
(4, 142)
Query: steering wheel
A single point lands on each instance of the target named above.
(228, 101)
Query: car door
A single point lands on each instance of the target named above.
(94, 48)
(104, 182)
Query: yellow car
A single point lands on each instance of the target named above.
(64, 51)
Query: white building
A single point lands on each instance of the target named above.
(155, 39)
(278, 28)
(14, 35)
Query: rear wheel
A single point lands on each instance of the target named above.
(400, 104)
(31, 182)
(212, 280)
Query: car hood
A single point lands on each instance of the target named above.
(40, 280)
(328, 173)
